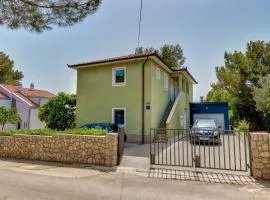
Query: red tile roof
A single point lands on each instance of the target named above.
(37, 93)
(186, 70)
(114, 59)
(29, 92)
(129, 57)
(25, 99)
(26, 93)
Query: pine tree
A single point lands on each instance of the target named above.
(7, 74)
(40, 15)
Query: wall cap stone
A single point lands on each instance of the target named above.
(260, 133)
(62, 135)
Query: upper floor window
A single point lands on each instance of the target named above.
(119, 76)
(157, 73)
(166, 82)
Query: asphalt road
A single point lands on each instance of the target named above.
(31, 181)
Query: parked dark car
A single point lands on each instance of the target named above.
(205, 131)
(110, 127)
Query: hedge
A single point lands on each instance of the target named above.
(50, 132)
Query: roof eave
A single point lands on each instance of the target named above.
(102, 62)
(185, 70)
(153, 56)
(87, 65)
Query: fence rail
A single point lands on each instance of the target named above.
(211, 149)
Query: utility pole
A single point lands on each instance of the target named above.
(140, 20)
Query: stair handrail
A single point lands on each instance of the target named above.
(173, 108)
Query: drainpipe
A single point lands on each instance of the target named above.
(143, 90)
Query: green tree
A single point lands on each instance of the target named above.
(7, 74)
(237, 78)
(172, 55)
(8, 116)
(40, 15)
(262, 99)
(59, 112)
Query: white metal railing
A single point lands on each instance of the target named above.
(173, 108)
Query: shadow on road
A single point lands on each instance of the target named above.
(208, 177)
(41, 165)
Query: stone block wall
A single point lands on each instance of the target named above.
(260, 154)
(85, 149)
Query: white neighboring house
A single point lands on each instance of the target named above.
(27, 102)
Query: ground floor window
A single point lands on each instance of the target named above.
(119, 116)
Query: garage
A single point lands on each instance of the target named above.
(210, 110)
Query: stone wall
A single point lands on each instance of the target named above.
(96, 150)
(260, 153)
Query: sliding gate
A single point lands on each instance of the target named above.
(224, 150)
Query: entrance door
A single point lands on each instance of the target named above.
(118, 116)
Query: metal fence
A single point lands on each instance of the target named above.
(224, 150)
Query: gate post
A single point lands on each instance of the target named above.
(197, 160)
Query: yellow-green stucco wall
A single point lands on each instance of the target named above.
(96, 96)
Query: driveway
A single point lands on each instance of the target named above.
(231, 154)
(39, 180)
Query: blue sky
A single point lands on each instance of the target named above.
(204, 28)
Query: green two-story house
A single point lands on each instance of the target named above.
(138, 92)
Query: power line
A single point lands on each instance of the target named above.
(140, 20)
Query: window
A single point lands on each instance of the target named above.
(166, 82)
(119, 76)
(119, 116)
(157, 73)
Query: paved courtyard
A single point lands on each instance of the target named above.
(231, 154)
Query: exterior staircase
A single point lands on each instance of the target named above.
(162, 123)
(160, 135)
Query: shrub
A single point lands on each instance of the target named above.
(59, 112)
(50, 132)
(242, 125)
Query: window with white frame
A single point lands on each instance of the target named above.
(157, 73)
(166, 82)
(119, 76)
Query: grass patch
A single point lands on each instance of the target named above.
(85, 131)
(50, 132)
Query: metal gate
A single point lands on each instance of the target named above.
(220, 150)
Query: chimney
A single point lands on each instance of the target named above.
(32, 86)
(20, 87)
(202, 99)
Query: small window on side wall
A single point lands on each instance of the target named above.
(166, 82)
(119, 76)
(157, 73)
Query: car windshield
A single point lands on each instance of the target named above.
(206, 124)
